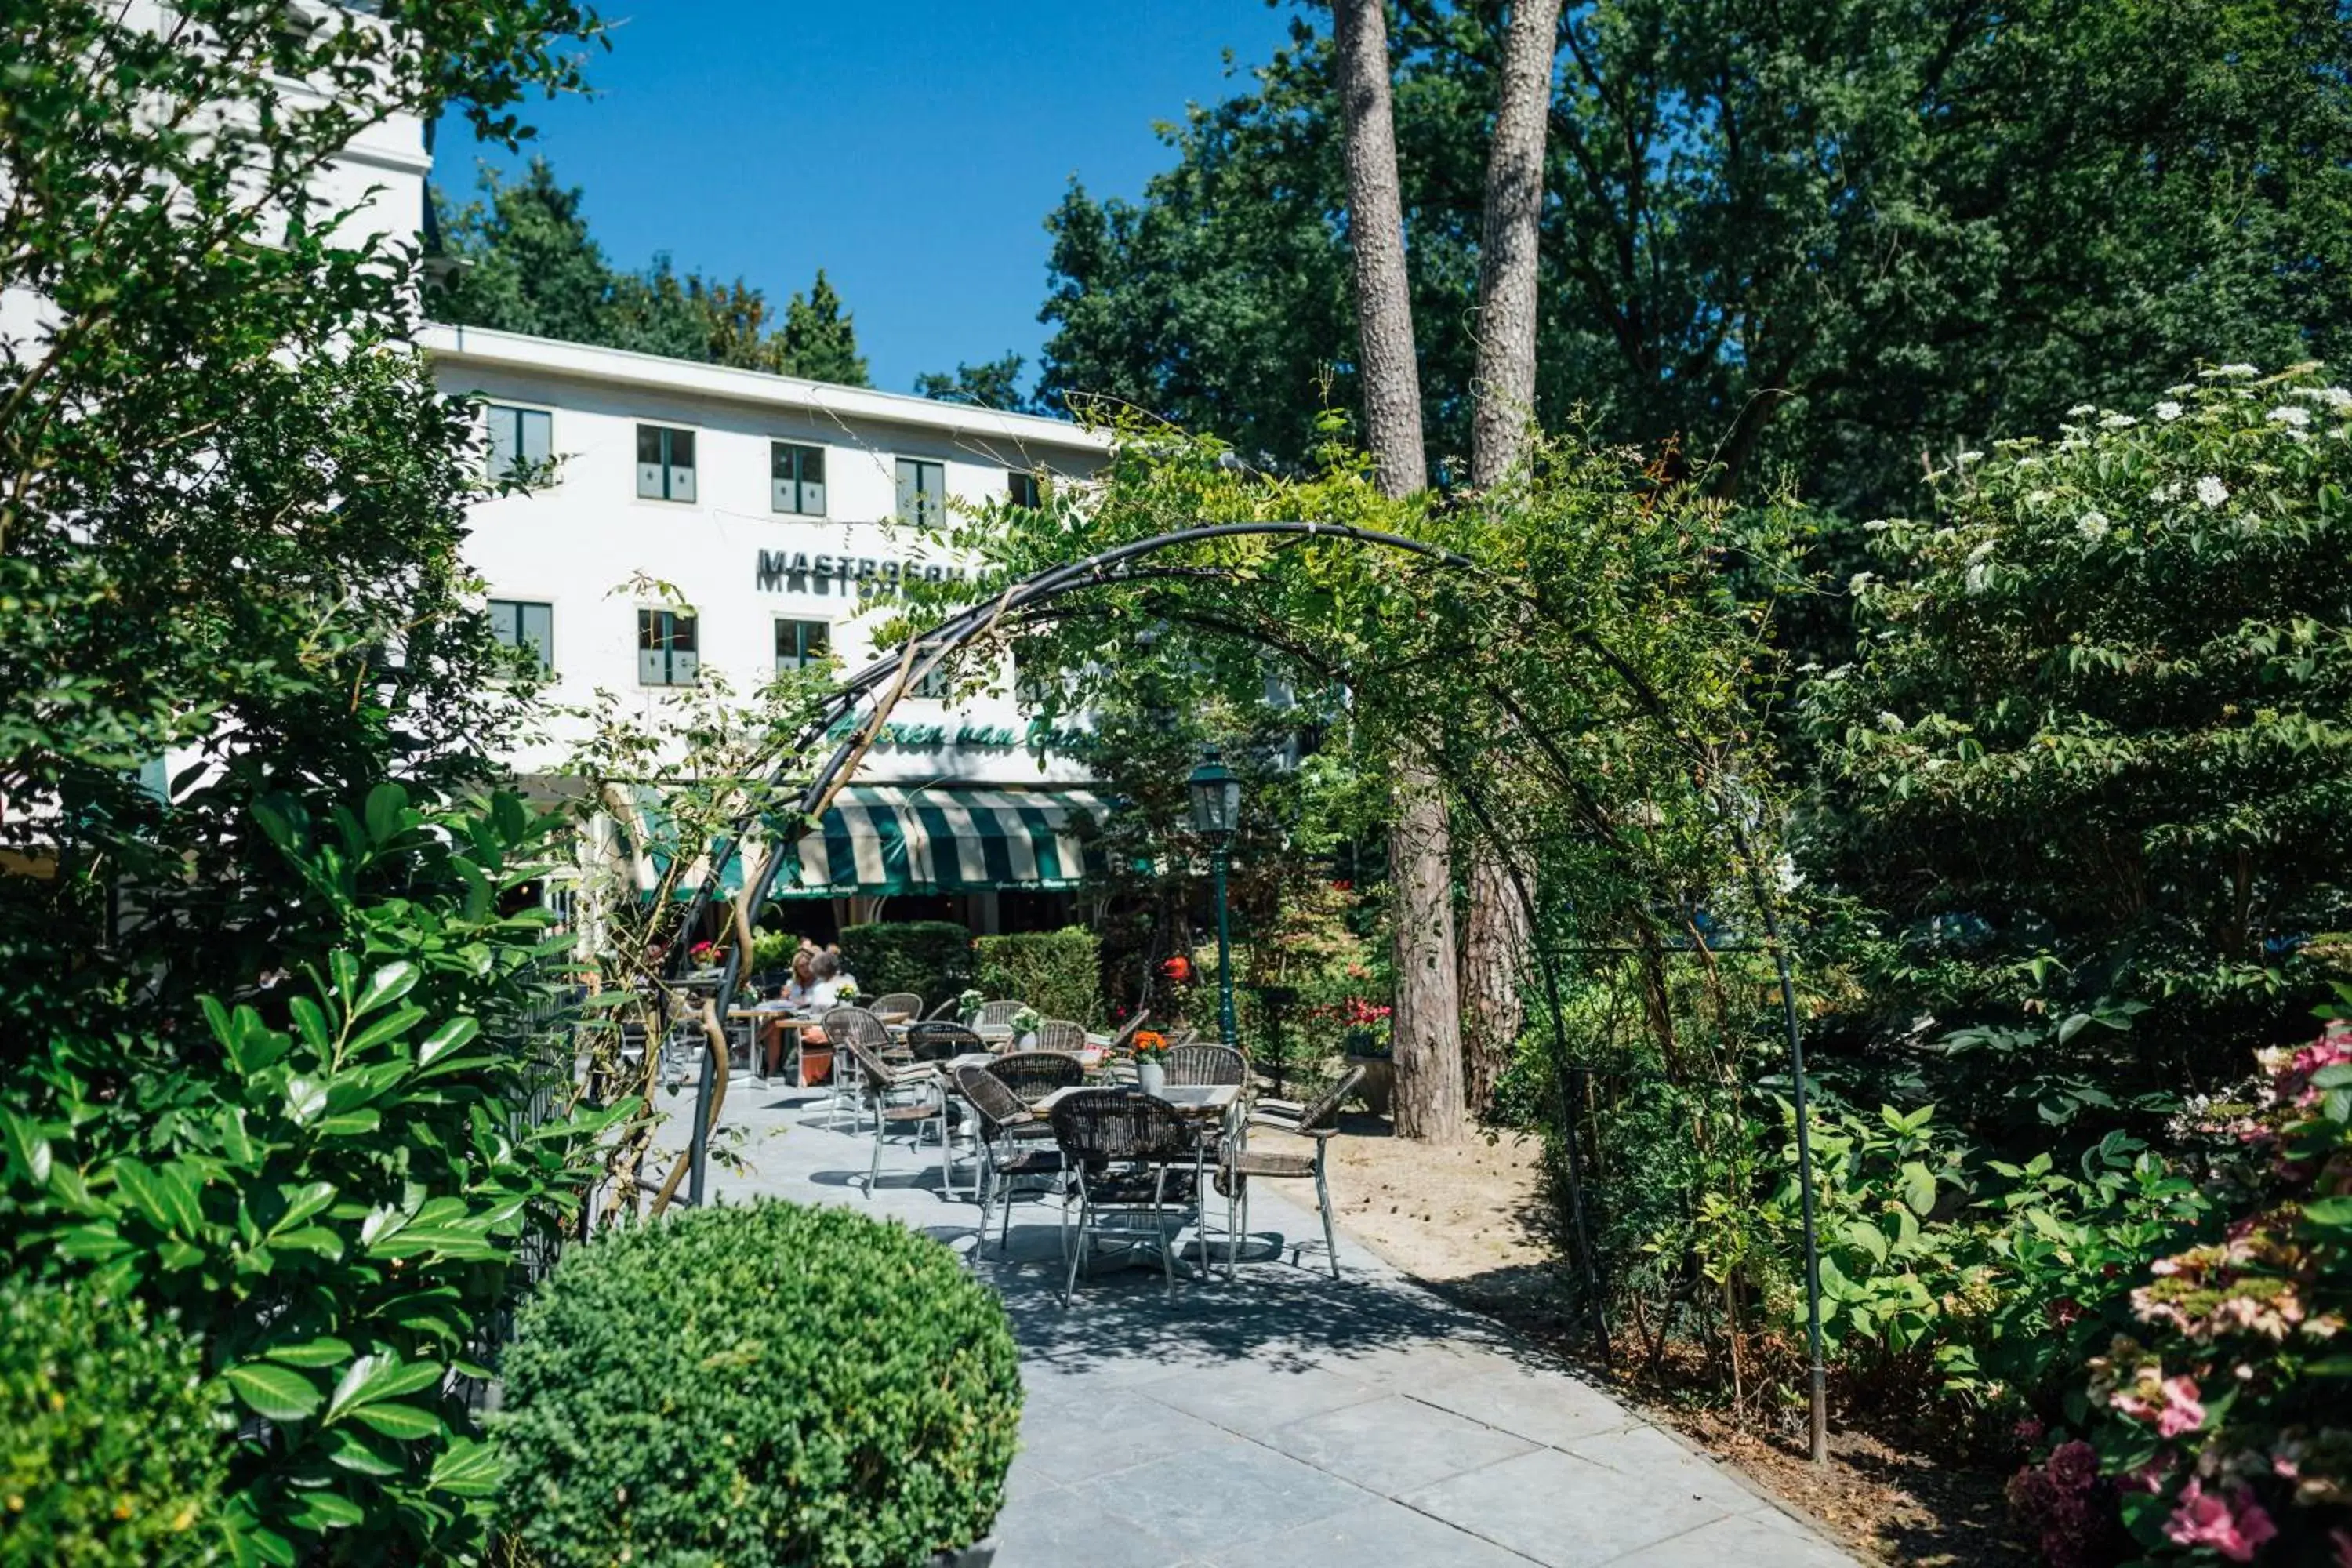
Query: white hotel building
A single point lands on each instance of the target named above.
(771, 507)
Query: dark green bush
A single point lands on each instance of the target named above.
(758, 1387)
(1059, 972)
(931, 958)
(117, 1445)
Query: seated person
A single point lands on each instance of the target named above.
(830, 978)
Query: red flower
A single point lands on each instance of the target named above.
(1178, 969)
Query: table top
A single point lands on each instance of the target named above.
(1191, 1099)
(769, 1015)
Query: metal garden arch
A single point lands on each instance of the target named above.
(879, 685)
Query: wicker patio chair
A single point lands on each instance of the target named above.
(1015, 1145)
(1239, 1163)
(1033, 1075)
(1203, 1064)
(846, 1027)
(905, 1001)
(899, 1097)
(1131, 1161)
(1061, 1035)
(932, 1041)
(998, 1014)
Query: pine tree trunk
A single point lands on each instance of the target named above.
(1495, 936)
(1427, 1028)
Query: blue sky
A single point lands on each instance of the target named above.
(913, 148)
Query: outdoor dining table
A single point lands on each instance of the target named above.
(791, 1022)
(1219, 1102)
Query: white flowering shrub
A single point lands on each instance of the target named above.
(2098, 725)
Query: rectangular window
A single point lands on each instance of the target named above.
(1022, 490)
(922, 492)
(800, 644)
(665, 463)
(666, 647)
(518, 623)
(522, 440)
(798, 478)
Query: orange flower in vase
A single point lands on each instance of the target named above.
(1150, 1061)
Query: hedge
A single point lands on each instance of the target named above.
(931, 958)
(117, 1446)
(757, 1387)
(1059, 972)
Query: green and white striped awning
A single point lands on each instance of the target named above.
(945, 838)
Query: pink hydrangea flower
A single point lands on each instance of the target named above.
(2233, 1525)
(2181, 1412)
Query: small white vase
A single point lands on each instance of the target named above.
(1029, 1041)
(1150, 1076)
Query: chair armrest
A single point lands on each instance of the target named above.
(1295, 1108)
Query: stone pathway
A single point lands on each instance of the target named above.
(1289, 1419)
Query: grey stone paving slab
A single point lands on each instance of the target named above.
(1382, 1534)
(1056, 1527)
(1747, 1540)
(1210, 1498)
(1247, 1397)
(1562, 1511)
(1543, 1405)
(1287, 1418)
(1647, 1452)
(1396, 1445)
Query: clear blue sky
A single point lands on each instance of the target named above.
(913, 148)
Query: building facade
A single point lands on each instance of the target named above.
(682, 518)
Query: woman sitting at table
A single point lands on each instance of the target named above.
(829, 980)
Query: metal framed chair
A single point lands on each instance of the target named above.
(899, 1096)
(905, 1002)
(1015, 1145)
(1200, 1064)
(1033, 1075)
(1239, 1163)
(1130, 1161)
(845, 1028)
(1061, 1035)
(998, 1014)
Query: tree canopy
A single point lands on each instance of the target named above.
(521, 259)
(1813, 240)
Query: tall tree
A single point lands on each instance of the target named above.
(521, 259)
(819, 339)
(1497, 933)
(1426, 1027)
(1805, 236)
(993, 383)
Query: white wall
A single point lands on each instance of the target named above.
(576, 542)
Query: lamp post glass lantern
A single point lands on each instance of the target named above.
(1216, 814)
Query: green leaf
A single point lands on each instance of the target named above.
(1918, 1188)
(386, 1028)
(387, 812)
(468, 1467)
(349, 1449)
(376, 1377)
(301, 1203)
(324, 1511)
(351, 1122)
(448, 1037)
(310, 1019)
(276, 1392)
(316, 1239)
(2334, 1213)
(323, 1352)
(305, 1099)
(404, 1422)
(28, 1151)
(385, 987)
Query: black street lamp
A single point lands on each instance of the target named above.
(1216, 815)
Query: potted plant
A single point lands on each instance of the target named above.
(1366, 1045)
(968, 1005)
(1150, 1061)
(1024, 1027)
(847, 992)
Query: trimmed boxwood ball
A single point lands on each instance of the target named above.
(773, 1386)
(114, 1446)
